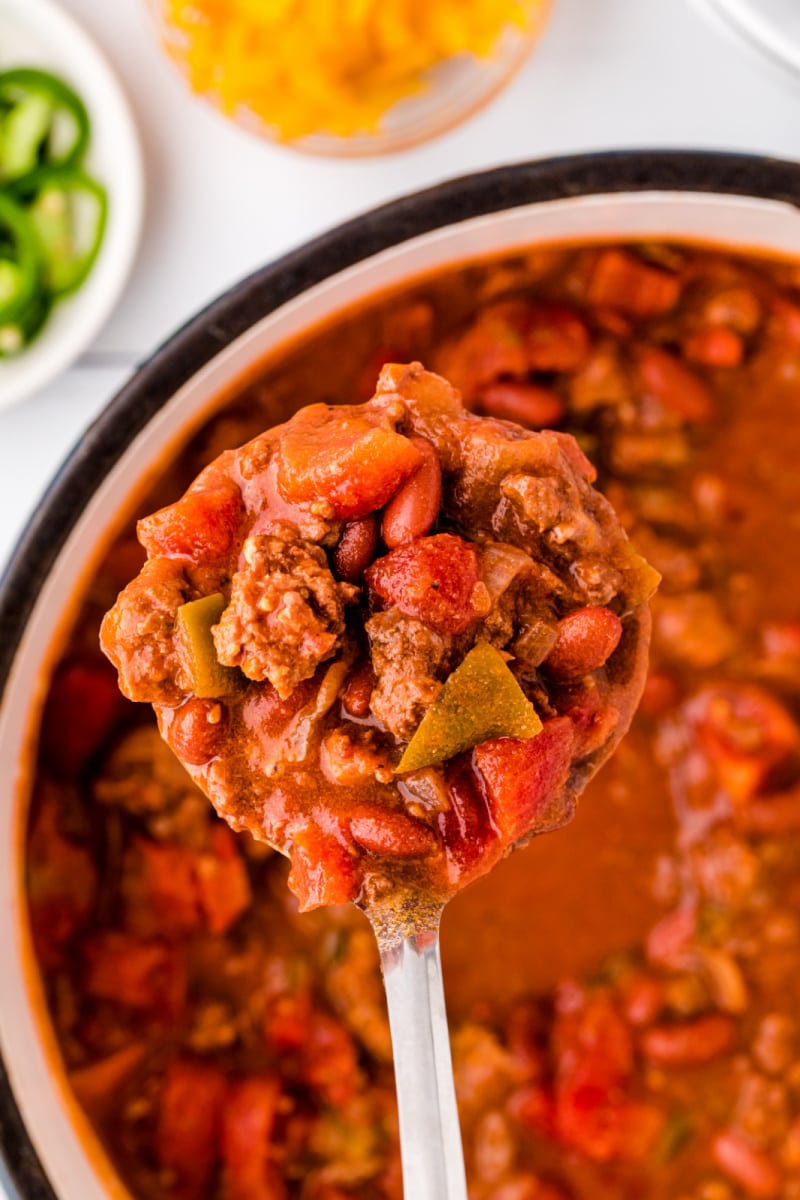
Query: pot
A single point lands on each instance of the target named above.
(754, 204)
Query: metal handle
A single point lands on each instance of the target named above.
(430, 1136)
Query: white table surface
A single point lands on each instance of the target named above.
(608, 73)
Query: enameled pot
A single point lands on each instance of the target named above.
(48, 1149)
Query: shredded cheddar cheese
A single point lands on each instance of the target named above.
(326, 66)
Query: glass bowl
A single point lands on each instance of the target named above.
(448, 92)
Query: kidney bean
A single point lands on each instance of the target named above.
(669, 939)
(690, 1044)
(665, 379)
(413, 509)
(197, 730)
(356, 548)
(586, 640)
(714, 347)
(358, 690)
(526, 403)
(644, 1000)
(747, 1166)
(393, 834)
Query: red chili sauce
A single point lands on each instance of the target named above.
(624, 995)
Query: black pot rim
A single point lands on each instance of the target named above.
(267, 289)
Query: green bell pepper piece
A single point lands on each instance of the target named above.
(481, 699)
(209, 678)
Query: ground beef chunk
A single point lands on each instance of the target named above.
(354, 757)
(143, 776)
(286, 611)
(138, 633)
(407, 658)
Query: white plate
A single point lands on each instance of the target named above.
(39, 33)
(771, 25)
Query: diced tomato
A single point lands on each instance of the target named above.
(524, 775)
(677, 389)
(534, 1106)
(222, 882)
(99, 1083)
(623, 281)
(188, 1126)
(749, 737)
(470, 843)
(556, 338)
(594, 1051)
(248, 1122)
(493, 346)
(287, 1020)
(604, 1130)
(352, 464)
(323, 869)
(202, 525)
(62, 880)
(593, 1044)
(159, 890)
(330, 1066)
(171, 891)
(137, 973)
(432, 579)
(83, 708)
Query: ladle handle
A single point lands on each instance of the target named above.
(430, 1136)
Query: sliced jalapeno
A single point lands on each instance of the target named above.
(45, 122)
(21, 259)
(68, 211)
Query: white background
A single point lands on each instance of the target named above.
(607, 73)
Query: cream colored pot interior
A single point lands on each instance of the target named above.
(75, 1167)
